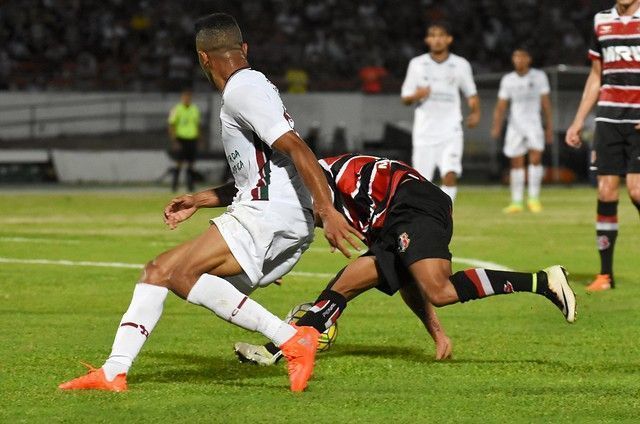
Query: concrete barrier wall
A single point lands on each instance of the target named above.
(118, 166)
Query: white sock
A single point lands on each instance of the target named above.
(535, 180)
(137, 323)
(223, 299)
(516, 178)
(451, 191)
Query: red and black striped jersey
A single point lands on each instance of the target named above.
(363, 187)
(616, 43)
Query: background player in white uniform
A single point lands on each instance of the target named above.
(260, 237)
(433, 84)
(527, 91)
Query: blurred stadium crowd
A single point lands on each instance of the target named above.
(147, 45)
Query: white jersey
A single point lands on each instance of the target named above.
(252, 118)
(439, 115)
(523, 93)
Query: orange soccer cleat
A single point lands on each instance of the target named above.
(96, 380)
(601, 283)
(300, 351)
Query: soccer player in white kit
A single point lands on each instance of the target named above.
(527, 91)
(267, 226)
(433, 84)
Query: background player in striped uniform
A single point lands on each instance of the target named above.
(408, 226)
(614, 83)
(526, 91)
(433, 84)
(266, 228)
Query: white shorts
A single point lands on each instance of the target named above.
(266, 238)
(446, 155)
(517, 142)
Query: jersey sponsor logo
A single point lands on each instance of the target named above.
(621, 53)
(403, 242)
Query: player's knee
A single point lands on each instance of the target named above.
(154, 273)
(437, 298)
(634, 194)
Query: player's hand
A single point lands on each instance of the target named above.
(473, 119)
(337, 230)
(444, 348)
(179, 209)
(572, 138)
(422, 93)
(637, 127)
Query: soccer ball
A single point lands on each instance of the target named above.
(327, 338)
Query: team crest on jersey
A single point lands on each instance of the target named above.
(403, 242)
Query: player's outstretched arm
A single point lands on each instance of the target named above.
(336, 228)
(182, 207)
(589, 98)
(427, 314)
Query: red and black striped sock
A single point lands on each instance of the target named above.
(477, 283)
(606, 234)
(322, 315)
(325, 311)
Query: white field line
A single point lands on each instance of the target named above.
(467, 261)
(38, 240)
(63, 262)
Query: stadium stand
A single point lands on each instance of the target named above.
(143, 45)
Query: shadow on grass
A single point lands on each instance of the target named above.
(412, 354)
(174, 367)
(581, 279)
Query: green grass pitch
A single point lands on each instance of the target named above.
(515, 359)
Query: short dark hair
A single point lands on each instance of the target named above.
(443, 25)
(523, 49)
(218, 31)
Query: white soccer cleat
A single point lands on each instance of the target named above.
(560, 292)
(256, 354)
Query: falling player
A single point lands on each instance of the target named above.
(408, 226)
(433, 84)
(526, 91)
(613, 83)
(260, 236)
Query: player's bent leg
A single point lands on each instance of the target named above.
(356, 278)
(478, 283)
(211, 257)
(432, 278)
(135, 326)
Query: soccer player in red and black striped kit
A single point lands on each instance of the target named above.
(407, 223)
(614, 83)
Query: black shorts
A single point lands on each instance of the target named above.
(617, 149)
(187, 150)
(418, 226)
